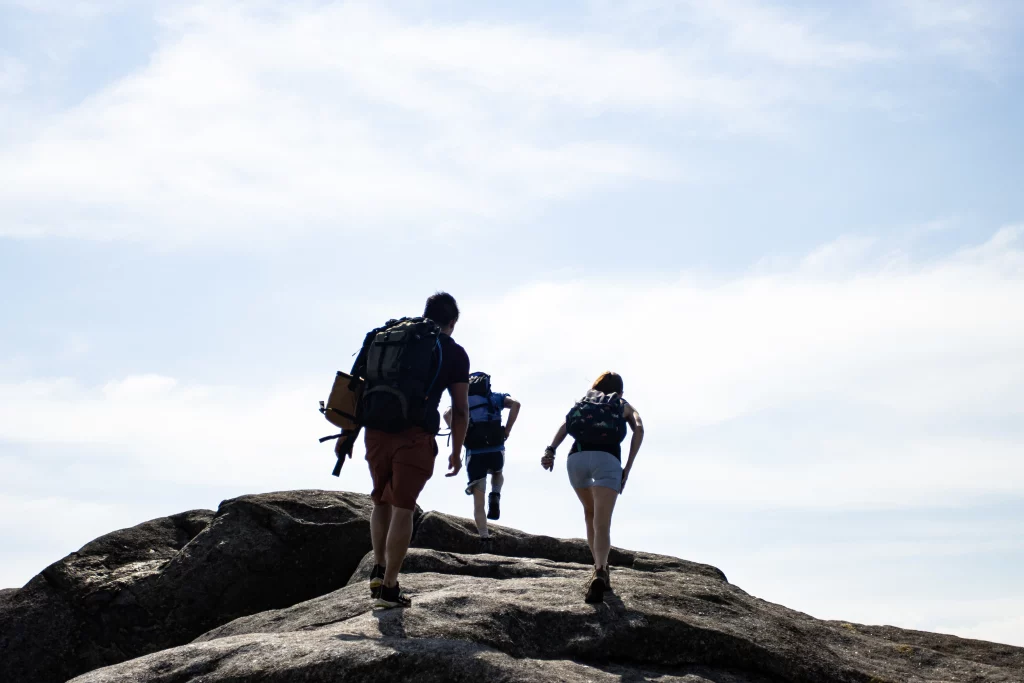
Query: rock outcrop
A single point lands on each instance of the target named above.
(513, 614)
(448, 533)
(164, 582)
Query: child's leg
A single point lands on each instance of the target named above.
(478, 508)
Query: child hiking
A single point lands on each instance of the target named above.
(485, 447)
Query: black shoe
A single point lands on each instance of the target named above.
(392, 597)
(494, 506)
(376, 580)
(597, 586)
(486, 544)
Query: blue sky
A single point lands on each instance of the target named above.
(794, 228)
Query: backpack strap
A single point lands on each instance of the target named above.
(440, 359)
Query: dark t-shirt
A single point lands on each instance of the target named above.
(454, 369)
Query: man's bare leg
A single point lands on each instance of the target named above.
(380, 520)
(398, 536)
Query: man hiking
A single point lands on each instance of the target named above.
(485, 447)
(407, 365)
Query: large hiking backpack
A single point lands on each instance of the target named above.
(485, 430)
(598, 419)
(399, 363)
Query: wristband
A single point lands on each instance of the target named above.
(550, 450)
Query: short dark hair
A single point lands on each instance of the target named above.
(608, 383)
(441, 308)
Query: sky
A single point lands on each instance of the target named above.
(796, 229)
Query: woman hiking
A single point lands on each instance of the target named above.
(597, 424)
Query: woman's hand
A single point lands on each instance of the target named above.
(548, 461)
(625, 476)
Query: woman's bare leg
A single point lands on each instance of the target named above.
(586, 497)
(604, 504)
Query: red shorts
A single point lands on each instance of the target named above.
(400, 465)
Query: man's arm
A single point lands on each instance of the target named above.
(513, 412)
(459, 423)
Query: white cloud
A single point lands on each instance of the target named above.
(323, 118)
(819, 387)
(12, 75)
(970, 33)
(1008, 630)
(865, 387)
(262, 122)
(768, 32)
(840, 255)
(78, 518)
(216, 434)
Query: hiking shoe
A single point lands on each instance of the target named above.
(486, 544)
(376, 580)
(597, 586)
(494, 506)
(392, 597)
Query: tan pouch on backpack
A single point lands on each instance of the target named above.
(342, 404)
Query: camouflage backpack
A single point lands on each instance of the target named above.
(598, 419)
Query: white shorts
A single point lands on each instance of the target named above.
(594, 468)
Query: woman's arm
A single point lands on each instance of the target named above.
(637, 425)
(548, 461)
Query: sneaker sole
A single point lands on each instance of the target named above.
(387, 604)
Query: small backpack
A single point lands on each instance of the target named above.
(399, 363)
(342, 407)
(598, 419)
(485, 430)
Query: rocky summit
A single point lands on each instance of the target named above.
(273, 588)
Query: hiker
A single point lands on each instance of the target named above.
(485, 447)
(407, 365)
(597, 424)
